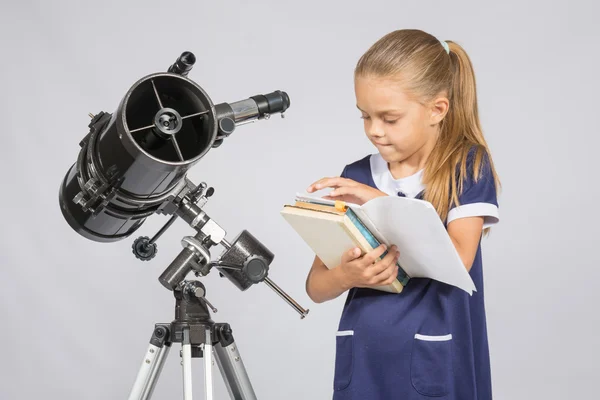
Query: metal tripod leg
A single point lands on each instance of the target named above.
(152, 365)
(186, 354)
(186, 362)
(208, 363)
(232, 367)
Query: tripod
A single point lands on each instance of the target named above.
(199, 335)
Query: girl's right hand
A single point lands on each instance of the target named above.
(365, 272)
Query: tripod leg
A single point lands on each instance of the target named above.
(152, 365)
(207, 354)
(232, 367)
(186, 354)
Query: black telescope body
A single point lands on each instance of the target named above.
(133, 160)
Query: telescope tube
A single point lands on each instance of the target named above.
(133, 160)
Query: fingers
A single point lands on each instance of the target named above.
(374, 254)
(329, 182)
(371, 269)
(384, 271)
(342, 191)
(390, 258)
(316, 185)
(388, 275)
(347, 198)
(350, 255)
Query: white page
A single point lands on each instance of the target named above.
(414, 226)
(312, 197)
(425, 248)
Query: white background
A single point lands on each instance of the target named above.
(77, 315)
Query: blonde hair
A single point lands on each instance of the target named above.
(425, 69)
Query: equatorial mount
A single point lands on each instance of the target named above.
(244, 262)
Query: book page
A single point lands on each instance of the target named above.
(318, 199)
(426, 249)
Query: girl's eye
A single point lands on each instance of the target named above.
(363, 117)
(390, 122)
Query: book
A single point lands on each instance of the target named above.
(342, 229)
(331, 228)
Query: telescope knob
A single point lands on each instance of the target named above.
(202, 190)
(226, 126)
(201, 194)
(255, 268)
(197, 289)
(143, 249)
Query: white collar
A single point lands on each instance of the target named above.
(411, 185)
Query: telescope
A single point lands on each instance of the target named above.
(133, 163)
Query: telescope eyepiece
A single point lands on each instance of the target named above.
(184, 63)
(272, 103)
(279, 101)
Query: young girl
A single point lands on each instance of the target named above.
(417, 97)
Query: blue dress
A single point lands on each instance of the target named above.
(430, 341)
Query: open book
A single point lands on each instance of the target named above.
(331, 227)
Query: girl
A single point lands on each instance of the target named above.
(417, 96)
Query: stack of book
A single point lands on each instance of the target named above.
(330, 228)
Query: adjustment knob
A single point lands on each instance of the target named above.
(255, 268)
(226, 126)
(143, 249)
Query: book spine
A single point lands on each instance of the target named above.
(402, 275)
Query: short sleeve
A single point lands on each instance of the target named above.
(344, 173)
(478, 197)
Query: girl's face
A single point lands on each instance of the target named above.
(397, 125)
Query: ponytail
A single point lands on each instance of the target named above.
(460, 136)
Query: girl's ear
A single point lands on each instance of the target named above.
(439, 109)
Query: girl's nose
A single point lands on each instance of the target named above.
(375, 130)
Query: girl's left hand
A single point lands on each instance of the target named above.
(345, 189)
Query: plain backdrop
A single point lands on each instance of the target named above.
(77, 315)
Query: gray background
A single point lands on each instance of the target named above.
(77, 315)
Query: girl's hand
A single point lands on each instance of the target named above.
(365, 272)
(345, 189)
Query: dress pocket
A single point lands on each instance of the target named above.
(431, 364)
(344, 359)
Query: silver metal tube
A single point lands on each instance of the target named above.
(161, 357)
(148, 373)
(234, 372)
(186, 354)
(208, 377)
(244, 110)
(287, 298)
